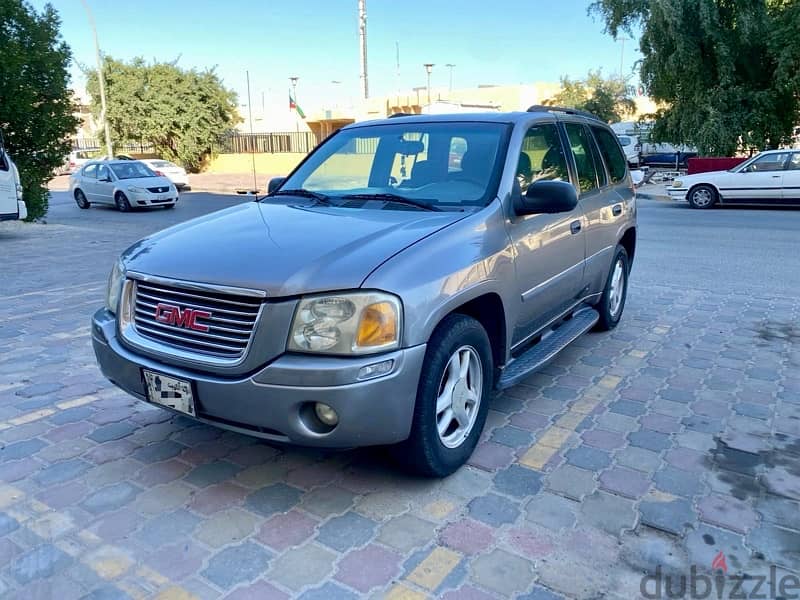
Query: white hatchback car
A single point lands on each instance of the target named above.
(126, 184)
(771, 177)
(170, 170)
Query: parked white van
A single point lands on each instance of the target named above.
(11, 203)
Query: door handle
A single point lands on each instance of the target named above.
(575, 227)
(616, 210)
(776, 176)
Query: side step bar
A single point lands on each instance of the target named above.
(540, 354)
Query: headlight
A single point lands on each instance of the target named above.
(115, 281)
(354, 323)
(677, 183)
(136, 190)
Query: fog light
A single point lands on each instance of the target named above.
(326, 414)
(376, 369)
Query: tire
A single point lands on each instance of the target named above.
(457, 340)
(702, 196)
(122, 202)
(81, 201)
(612, 302)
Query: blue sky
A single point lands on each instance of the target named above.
(500, 42)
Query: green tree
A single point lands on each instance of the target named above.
(35, 102)
(181, 112)
(608, 98)
(727, 71)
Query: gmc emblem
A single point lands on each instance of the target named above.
(177, 317)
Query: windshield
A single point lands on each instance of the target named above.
(131, 170)
(444, 165)
(161, 164)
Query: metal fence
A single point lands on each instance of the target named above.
(99, 145)
(271, 143)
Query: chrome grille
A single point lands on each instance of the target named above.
(230, 326)
(158, 190)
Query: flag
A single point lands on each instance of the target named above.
(294, 106)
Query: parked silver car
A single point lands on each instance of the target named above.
(382, 291)
(126, 184)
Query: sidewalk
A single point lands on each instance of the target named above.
(653, 191)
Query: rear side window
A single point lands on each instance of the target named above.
(612, 154)
(581, 145)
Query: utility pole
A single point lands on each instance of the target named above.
(101, 81)
(622, 59)
(362, 37)
(293, 81)
(397, 66)
(451, 66)
(252, 137)
(428, 69)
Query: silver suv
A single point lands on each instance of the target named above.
(379, 294)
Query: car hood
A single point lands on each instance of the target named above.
(699, 177)
(283, 249)
(145, 182)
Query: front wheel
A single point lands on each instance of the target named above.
(80, 200)
(615, 293)
(452, 399)
(122, 202)
(702, 196)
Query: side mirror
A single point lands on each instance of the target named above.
(274, 184)
(547, 196)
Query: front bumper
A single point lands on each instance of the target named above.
(678, 194)
(273, 402)
(150, 199)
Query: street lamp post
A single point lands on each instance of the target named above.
(293, 81)
(451, 66)
(428, 69)
(100, 80)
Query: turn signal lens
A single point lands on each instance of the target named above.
(378, 325)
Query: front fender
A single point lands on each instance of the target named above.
(444, 271)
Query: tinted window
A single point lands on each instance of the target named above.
(90, 171)
(132, 170)
(625, 141)
(3, 163)
(794, 163)
(581, 146)
(612, 154)
(542, 156)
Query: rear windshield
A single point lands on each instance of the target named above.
(451, 165)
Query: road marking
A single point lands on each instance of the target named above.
(431, 572)
(554, 438)
(401, 592)
(46, 412)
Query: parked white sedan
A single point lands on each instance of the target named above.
(124, 183)
(771, 177)
(170, 170)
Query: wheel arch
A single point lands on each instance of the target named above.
(489, 311)
(706, 184)
(628, 241)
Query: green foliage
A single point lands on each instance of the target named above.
(181, 112)
(728, 71)
(610, 99)
(35, 102)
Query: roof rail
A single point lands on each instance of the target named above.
(400, 114)
(563, 109)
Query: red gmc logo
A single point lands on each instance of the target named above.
(187, 317)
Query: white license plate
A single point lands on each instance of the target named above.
(170, 392)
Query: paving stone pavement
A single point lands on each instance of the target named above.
(636, 453)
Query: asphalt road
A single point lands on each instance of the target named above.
(753, 250)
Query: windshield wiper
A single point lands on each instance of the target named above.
(394, 198)
(304, 193)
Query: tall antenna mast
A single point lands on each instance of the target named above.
(362, 36)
